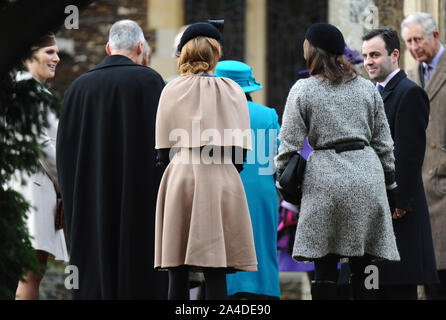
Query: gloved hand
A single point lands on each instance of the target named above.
(391, 195)
(277, 176)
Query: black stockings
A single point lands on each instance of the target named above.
(326, 268)
(215, 282)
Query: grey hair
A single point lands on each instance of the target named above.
(146, 48)
(426, 20)
(124, 35)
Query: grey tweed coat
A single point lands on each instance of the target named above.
(344, 207)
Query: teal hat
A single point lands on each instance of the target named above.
(239, 72)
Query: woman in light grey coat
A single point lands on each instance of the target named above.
(345, 210)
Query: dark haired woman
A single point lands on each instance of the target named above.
(344, 211)
(40, 190)
(202, 217)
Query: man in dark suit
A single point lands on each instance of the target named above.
(108, 175)
(407, 110)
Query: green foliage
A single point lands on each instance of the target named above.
(23, 110)
(24, 106)
(15, 249)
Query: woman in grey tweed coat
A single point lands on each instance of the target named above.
(344, 210)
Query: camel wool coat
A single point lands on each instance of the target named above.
(202, 215)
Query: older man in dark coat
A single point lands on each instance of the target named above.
(407, 109)
(107, 172)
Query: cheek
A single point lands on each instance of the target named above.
(45, 70)
(43, 67)
(378, 62)
(426, 48)
(412, 48)
(39, 67)
(430, 51)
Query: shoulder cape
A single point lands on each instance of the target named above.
(196, 111)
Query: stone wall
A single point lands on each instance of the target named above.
(391, 14)
(52, 286)
(82, 49)
(352, 18)
(357, 17)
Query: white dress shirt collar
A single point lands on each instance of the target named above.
(389, 77)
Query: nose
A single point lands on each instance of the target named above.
(56, 58)
(368, 60)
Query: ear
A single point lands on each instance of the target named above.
(139, 48)
(107, 49)
(436, 35)
(396, 54)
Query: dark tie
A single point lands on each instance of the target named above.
(427, 73)
(380, 89)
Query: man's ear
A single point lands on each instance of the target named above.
(107, 49)
(436, 35)
(139, 48)
(396, 54)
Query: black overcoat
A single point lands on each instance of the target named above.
(109, 182)
(407, 110)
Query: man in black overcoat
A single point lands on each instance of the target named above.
(407, 109)
(107, 173)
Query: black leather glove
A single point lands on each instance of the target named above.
(277, 175)
(391, 195)
(162, 158)
(239, 166)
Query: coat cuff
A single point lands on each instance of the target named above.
(390, 180)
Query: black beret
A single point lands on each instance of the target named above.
(199, 29)
(327, 37)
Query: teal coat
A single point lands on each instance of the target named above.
(259, 184)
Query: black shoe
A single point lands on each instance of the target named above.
(324, 290)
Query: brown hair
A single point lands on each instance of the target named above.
(199, 55)
(47, 40)
(331, 67)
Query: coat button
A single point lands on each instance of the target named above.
(430, 172)
(433, 145)
(430, 117)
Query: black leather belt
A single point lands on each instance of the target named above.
(346, 146)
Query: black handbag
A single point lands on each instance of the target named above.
(291, 179)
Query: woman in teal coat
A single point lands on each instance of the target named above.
(260, 189)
